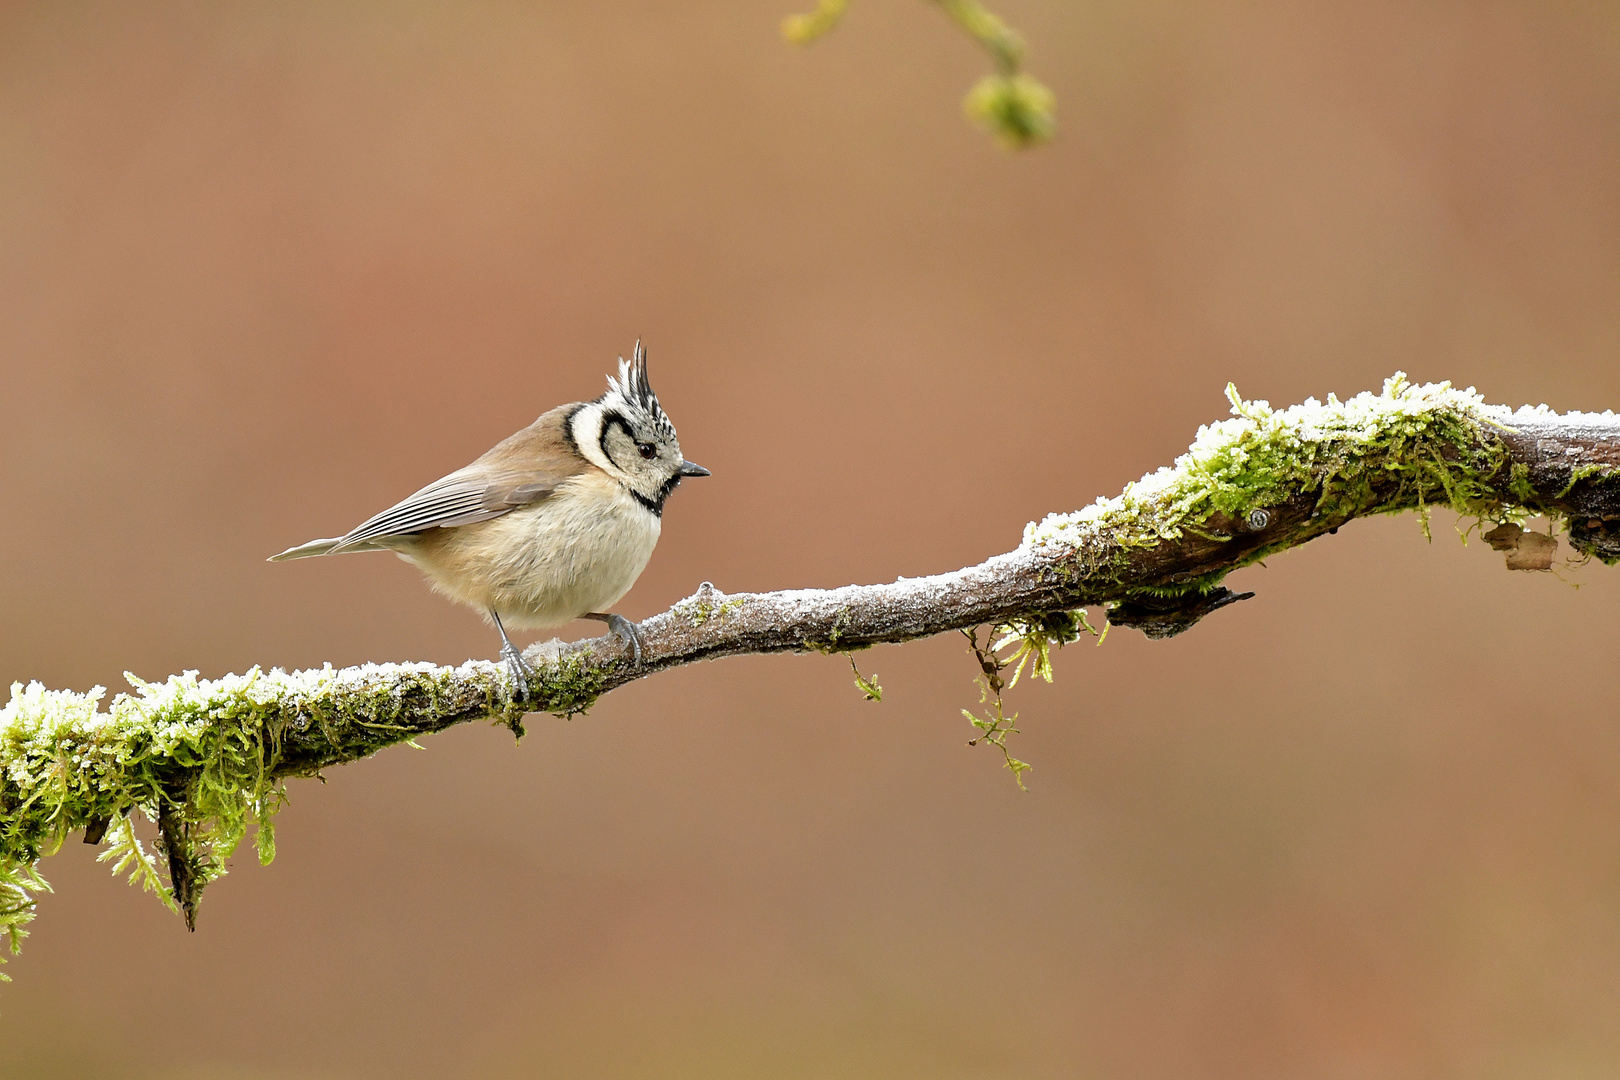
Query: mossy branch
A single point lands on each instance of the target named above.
(207, 759)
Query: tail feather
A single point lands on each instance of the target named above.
(321, 547)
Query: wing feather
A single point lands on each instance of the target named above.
(462, 498)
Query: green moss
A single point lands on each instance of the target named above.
(867, 685)
(1200, 584)
(840, 621)
(1034, 635)
(698, 610)
(835, 634)
(1519, 485)
(1400, 450)
(570, 685)
(192, 755)
(1594, 471)
(204, 760)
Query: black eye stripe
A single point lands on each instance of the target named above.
(609, 422)
(655, 505)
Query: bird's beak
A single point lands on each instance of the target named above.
(690, 469)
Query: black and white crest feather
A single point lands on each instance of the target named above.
(633, 392)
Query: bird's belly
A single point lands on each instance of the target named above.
(578, 551)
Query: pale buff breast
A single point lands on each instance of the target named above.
(580, 550)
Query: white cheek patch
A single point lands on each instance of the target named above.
(586, 428)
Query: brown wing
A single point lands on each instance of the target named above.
(520, 471)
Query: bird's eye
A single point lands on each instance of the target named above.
(646, 449)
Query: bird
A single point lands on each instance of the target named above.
(553, 524)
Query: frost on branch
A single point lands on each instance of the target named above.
(204, 762)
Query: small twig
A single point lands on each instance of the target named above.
(1011, 104)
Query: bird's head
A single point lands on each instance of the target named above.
(627, 434)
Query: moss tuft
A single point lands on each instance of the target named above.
(569, 685)
(192, 753)
(204, 761)
(1403, 449)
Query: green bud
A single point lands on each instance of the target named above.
(1017, 109)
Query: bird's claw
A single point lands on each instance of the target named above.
(629, 633)
(519, 667)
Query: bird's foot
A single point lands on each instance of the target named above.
(519, 667)
(626, 631)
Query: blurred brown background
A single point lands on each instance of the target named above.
(266, 267)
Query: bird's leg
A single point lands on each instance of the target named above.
(514, 659)
(623, 629)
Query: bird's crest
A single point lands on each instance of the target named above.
(635, 393)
